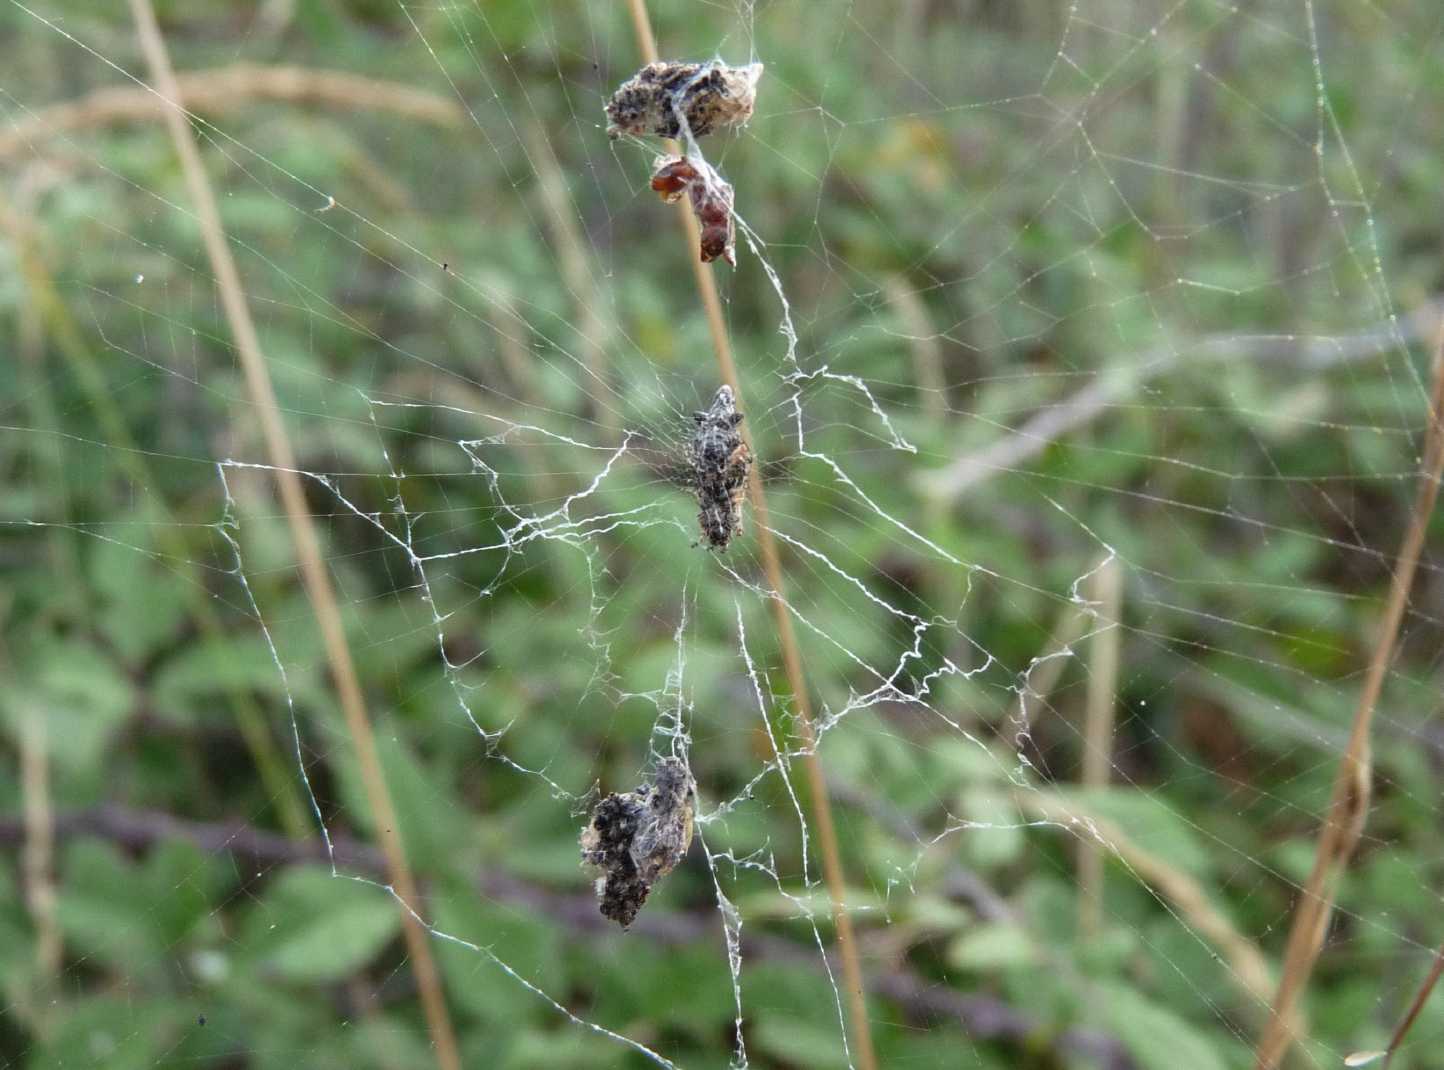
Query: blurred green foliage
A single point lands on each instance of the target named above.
(1131, 195)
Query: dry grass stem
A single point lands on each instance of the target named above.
(860, 1029)
(308, 549)
(1114, 387)
(1420, 998)
(226, 89)
(47, 316)
(1107, 596)
(1048, 667)
(561, 219)
(1349, 804)
(1247, 964)
(922, 339)
(515, 357)
(39, 856)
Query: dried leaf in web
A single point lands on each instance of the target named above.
(660, 97)
(711, 198)
(636, 839)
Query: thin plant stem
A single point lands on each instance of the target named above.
(1420, 998)
(303, 532)
(927, 351)
(37, 861)
(561, 220)
(1049, 665)
(50, 311)
(1247, 965)
(222, 89)
(1058, 418)
(1098, 733)
(861, 1032)
(1349, 805)
(39, 843)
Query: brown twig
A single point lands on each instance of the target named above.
(1420, 998)
(791, 657)
(227, 88)
(1349, 805)
(303, 532)
(923, 1000)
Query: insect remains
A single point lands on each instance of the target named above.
(636, 839)
(711, 199)
(720, 462)
(659, 97)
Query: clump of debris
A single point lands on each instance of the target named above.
(636, 839)
(663, 99)
(720, 461)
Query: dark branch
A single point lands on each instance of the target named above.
(982, 1017)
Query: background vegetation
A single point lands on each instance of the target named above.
(989, 213)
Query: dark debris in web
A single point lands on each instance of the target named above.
(635, 839)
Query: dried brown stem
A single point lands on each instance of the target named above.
(861, 1031)
(308, 548)
(1420, 998)
(227, 88)
(1349, 805)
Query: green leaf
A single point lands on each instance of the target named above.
(116, 1032)
(799, 1043)
(313, 927)
(433, 824)
(143, 600)
(80, 695)
(1000, 844)
(991, 947)
(1148, 821)
(1157, 1038)
(513, 933)
(187, 686)
(104, 910)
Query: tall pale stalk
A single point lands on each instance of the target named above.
(1107, 593)
(303, 532)
(1349, 805)
(860, 1028)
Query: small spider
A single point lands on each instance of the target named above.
(636, 839)
(711, 199)
(709, 95)
(720, 463)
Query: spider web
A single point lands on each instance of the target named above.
(990, 319)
